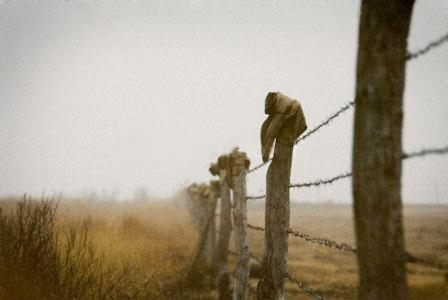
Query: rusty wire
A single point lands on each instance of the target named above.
(304, 286)
(431, 45)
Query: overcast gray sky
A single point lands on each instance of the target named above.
(115, 96)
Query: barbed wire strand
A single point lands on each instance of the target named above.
(409, 56)
(315, 240)
(431, 45)
(426, 262)
(325, 122)
(426, 151)
(324, 242)
(304, 287)
(321, 181)
(416, 154)
(312, 131)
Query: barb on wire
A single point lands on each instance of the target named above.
(304, 286)
(308, 184)
(321, 181)
(426, 151)
(323, 242)
(316, 240)
(431, 45)
(326, 121)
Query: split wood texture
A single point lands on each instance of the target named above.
(285, 123)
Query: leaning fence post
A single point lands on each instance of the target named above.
(285, 124)
(377, 148)
(225, 228)
(239, 163)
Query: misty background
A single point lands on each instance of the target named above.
(117, 97)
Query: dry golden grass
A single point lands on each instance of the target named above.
(153, 236)
(143, 247)
(156, 241)
(333, 273)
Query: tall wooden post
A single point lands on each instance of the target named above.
(377, 148)
(239, 164)
(225, 229)
(284, 125)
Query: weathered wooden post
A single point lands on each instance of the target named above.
(377, 148)
(285, 124)
(193, 204)
(225, 228)
(204, 219)
(211, 198)
(215, 194)
(199, 267)
(239, 164)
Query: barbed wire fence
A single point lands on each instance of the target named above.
(330, 243)
(344, 175)
(346, 107)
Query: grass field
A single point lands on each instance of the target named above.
(333, 273)
(145, 247)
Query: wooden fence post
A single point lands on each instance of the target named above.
(204, 218)
(285, 124)
(211, 234)
(215, 187)
(225, 228)
(377, 148)
(239, 163)
(200, 267)
(193, 204)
